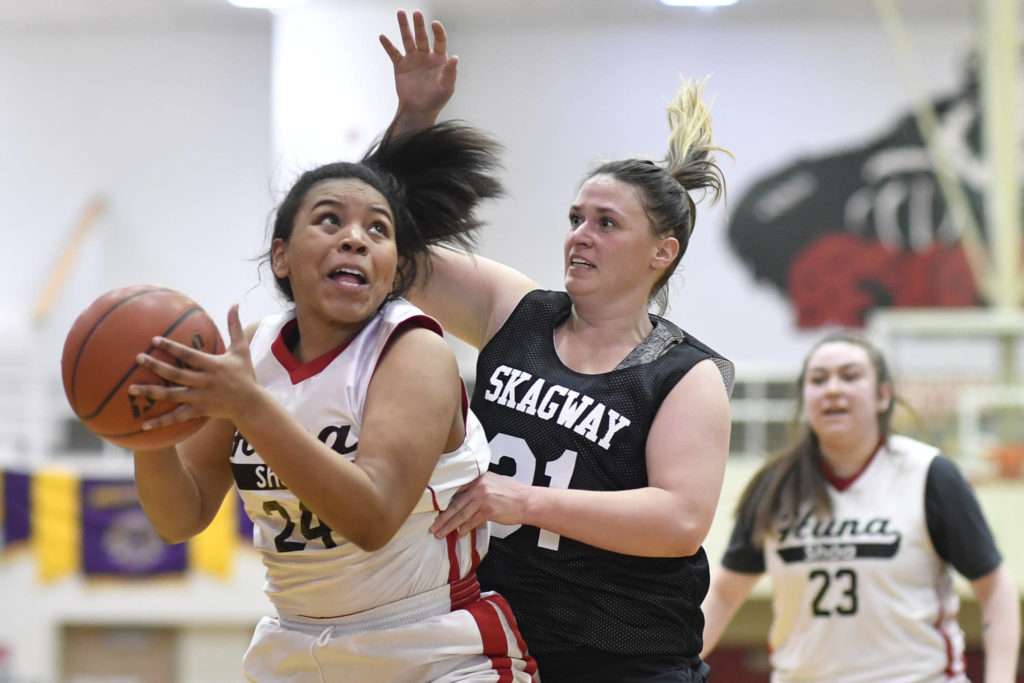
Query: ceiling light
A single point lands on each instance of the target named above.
(266, 4)
(698, 3)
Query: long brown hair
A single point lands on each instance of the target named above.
(793, 477)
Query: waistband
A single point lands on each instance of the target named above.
(435, 602)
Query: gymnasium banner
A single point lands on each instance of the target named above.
(14, 517)
(95, 526)
(868, 226)
(55, 510)
(117, 537)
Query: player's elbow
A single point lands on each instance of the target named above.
(686, 538)
(370, 542)
(371, 537)
(173, 529)
(173, 536)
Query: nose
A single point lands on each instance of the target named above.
(579, 234)
(353, 238)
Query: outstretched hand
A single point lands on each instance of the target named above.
(424, 77)
(205, 384)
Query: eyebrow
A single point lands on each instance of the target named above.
(599, 209)
(844, 366)
(376, 208)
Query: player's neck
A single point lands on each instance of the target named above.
(846, 458)
(597, 343)
(620, 323)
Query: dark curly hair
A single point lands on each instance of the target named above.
(433, 181)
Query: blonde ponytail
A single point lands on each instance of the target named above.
(690, 159)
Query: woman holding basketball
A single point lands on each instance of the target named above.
(609, 426)
(344, 424)
(859, 531)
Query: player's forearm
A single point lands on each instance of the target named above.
(727, 593)
(717, 615)
(339, 492)
(181, 488)
(168, 493)
(1000, 628)
(647, 522)
(716, 618)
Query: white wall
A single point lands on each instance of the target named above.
(172, 127)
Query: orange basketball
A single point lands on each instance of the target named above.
(98, 364)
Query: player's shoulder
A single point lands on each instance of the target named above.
(266, 330)
(250, 330)
(415, 344)
(911, 449)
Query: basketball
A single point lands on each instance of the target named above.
(98, 363)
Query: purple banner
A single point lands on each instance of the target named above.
(16, 525)
(117, 538)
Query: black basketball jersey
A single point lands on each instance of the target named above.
(551, 426)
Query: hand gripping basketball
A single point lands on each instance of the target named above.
(203, 385)
(98, 364)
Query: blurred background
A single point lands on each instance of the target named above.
(875, 185)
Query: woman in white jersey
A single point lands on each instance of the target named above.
(859, 531)
(344, 424)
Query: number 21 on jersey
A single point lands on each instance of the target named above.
(558, 472)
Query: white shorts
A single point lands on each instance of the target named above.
(477, 642)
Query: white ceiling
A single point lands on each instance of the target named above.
(90, 14)
(19, 15)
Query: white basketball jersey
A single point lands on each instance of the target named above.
(311, 571)
(867, 584)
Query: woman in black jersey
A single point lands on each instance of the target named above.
(859, 531)
(609, 426)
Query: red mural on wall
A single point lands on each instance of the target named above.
(867, 227)
(838, 278)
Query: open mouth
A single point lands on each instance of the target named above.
(348, 276)
(580, 263)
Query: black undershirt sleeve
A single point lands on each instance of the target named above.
(957, 527)
(742, 555)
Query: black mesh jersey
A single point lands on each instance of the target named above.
(551, 426)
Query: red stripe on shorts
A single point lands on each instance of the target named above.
(495, 637)
(500, 603)
(492, 633)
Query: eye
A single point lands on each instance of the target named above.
(575, 219)
(380, 228)
(607, 223)
(816, 379)
(327, 218)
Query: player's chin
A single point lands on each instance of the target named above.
(577, 282)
